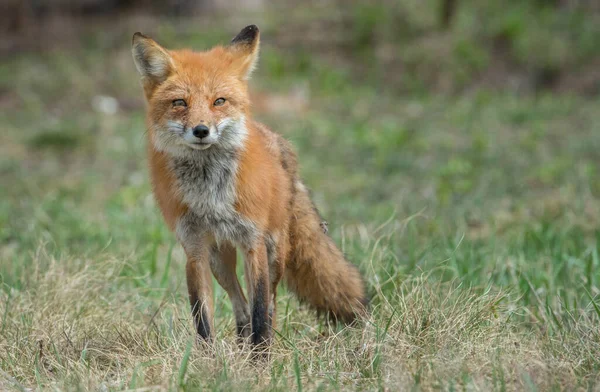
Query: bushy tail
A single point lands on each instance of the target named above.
(317, 271)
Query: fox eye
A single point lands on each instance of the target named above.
(219, 102)
(179, 102)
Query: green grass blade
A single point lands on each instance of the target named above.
(184, 363)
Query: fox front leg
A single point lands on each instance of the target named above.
(199, 283)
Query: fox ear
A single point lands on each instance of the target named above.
(245, 50)
(151, 60)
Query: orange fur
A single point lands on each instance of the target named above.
(283, 231)
(163, 185)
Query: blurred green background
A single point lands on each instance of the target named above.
(455, 137)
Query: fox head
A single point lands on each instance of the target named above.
(197, 100)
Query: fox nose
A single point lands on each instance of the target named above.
(201, 131)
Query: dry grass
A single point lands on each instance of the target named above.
(80, 323)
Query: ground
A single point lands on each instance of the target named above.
(473, 212)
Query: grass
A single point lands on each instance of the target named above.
(475, 218)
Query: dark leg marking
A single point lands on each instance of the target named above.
(200, 319)
(260, 313)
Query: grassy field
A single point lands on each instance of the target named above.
(474, 214)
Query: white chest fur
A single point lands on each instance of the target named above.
(207, 184)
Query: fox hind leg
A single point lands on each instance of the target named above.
(223, 263)
(277, 249)
(258, 283)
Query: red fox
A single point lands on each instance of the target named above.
(224, 181)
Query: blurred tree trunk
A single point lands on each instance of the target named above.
(18, 12)
(448, 9)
